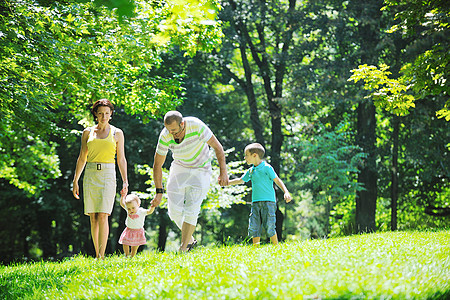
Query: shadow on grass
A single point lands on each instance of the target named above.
(440, 295)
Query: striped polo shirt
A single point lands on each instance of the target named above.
(193, 151)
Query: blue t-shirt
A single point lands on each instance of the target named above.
(262, 177)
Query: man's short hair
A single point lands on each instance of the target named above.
(172, 116)
(256, 148)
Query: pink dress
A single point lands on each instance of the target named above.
(134, 233)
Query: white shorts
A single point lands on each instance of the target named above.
(186, 189)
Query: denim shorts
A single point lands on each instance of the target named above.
(262, 215)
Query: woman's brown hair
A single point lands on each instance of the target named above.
(101, 102)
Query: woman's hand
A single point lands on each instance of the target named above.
(76, 190)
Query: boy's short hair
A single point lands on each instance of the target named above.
(256, 148)
(172, 116)
(132, 197)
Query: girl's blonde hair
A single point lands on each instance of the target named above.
(132, 197)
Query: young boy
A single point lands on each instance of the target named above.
(264, 203)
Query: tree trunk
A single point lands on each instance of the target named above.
(162, 230)
(366, 200)
(47, 243)
(268, 64)
(25, 246)
(369, 15)
(394, 174)
(327, 214)
(251, 97)
(277, 142)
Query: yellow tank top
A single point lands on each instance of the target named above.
(102, 150)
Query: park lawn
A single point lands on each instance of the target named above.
(393, 265)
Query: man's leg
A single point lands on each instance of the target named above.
(176, 214)
(187, 231)
(194, 195)
(176, 194)
(194, 199)
(256, 241)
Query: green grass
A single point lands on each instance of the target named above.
(399, 265)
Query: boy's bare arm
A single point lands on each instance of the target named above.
(235, 181)
(287, 195)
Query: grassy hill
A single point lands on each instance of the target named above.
(395, 265)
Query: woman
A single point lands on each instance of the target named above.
(99, 146)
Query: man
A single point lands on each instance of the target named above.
(190, 172)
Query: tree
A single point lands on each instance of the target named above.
(369, 15)
(70, 53)
(260, 43)
(350, 33)
(330, 167)
(419, 71)
(424, 75)
(56, 58)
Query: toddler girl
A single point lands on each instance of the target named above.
(134, 235)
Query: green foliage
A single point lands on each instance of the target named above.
(27, 162)
(307, 220)
(398, 265)
(413, 14)
(413, 213)
(191, 24)
(394, 95)
(428, 75)
(321, 167)
(422, 168)
(57, 58)
(329, 164)
(124, 8)
(428, 23)
(424, 216)
(390, 94)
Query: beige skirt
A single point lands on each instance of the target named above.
(99, 188)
